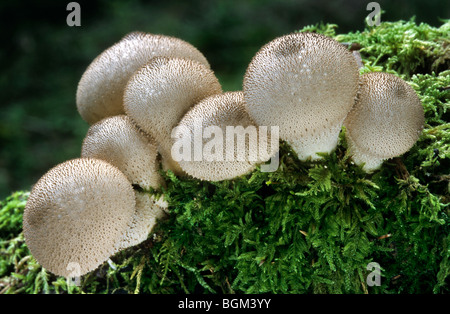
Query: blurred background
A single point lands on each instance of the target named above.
(42, 58)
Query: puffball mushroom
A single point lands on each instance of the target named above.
(217, 140)
(76, 214)
(305, 83)
(118, 141)
(385, 122)
(160, 93)
(147, 214)
(100, 90)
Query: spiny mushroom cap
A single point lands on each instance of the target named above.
(387, 118)
(217, 158)
(159, 94)
(100, 90)
(305, 83)
(148, 212)
(76, 214)
(118, 141)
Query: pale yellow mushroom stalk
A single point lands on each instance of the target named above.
(100, 90)
(385, 122)
(305, 83)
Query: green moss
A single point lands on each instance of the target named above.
(305, 228)
(404, 47)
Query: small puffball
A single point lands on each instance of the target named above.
(385, 122)
(118, 141)
(222, 141)
(76, 214)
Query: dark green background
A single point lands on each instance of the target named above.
(42, 59)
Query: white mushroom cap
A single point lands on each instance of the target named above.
(76, 214)
(147, 214)
(159, 94)
(205, 132)
(305, 83)
(385, 122)
(100, 90)
(118, 141)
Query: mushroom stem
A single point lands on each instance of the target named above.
(309, 145)
(73, 281)
(147, 213)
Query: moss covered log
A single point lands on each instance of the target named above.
(309, 227)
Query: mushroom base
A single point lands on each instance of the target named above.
(309, 145)
(370, 163)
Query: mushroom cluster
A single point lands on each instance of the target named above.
(150, 99)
